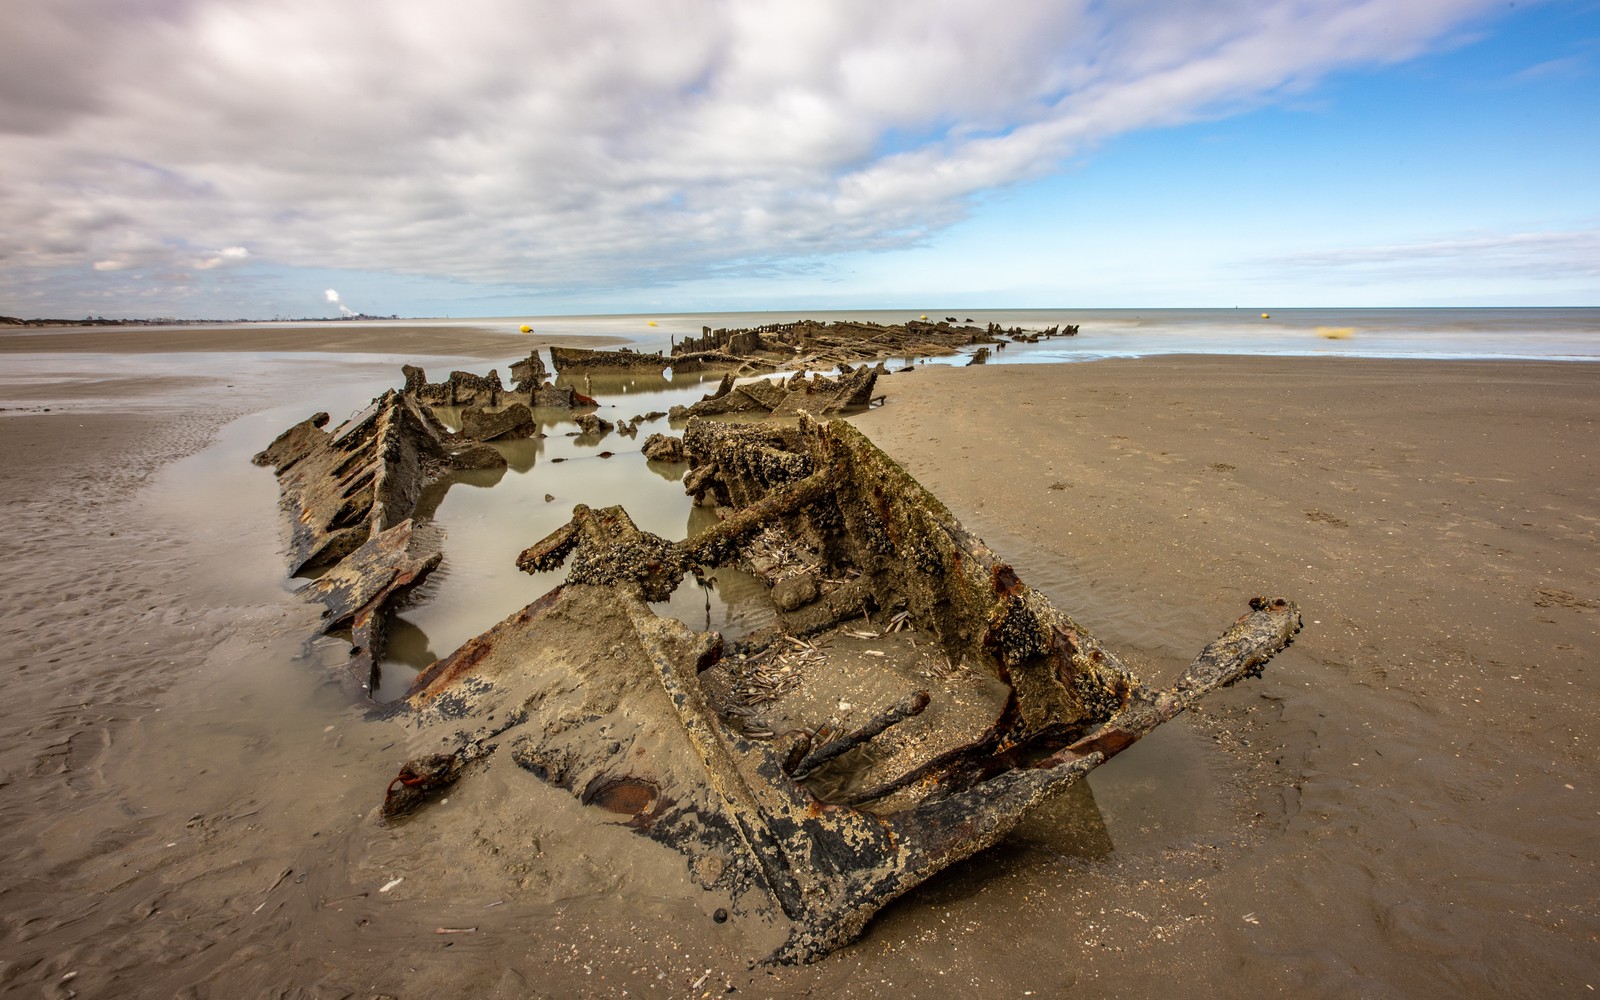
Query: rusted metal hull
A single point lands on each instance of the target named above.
(913, 701)
(872, 772)
(350, 495)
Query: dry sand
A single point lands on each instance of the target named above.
(1405, 805)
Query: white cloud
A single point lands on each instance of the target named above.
(231, 255)
(608, 143)
(1545, 255)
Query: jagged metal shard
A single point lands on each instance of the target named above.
(912, 701)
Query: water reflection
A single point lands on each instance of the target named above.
(522, 453)
(670, 471)
(408, 653)
(633, 383)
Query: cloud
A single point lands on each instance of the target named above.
(231, 255)
(1575, 67)
(1544, 255)
(577, 146)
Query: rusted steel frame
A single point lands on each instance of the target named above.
(603, 528)
(342, 488)
(550, 551)
(936, 834)
(909, 706)
(359, 591)
(610, 551)
(926, 840)
(805, 848)
(565, 359)
(741, 463)
(344, 456)
(587, 525)
(829, 867)
(781, 502)
(1239, 652)
(398, 463)
(681, 682)
(293, 444)
(812, 854)
(419, 779)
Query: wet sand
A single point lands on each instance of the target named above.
(326, 339)
(1404, 806)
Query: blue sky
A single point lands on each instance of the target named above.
(202, 158)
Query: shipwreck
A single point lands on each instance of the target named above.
(910, 702)
(803, 345)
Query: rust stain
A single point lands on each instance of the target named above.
(1004, 581)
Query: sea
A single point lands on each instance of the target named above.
(1549, 334)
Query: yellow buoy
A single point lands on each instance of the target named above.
(651, 323)
(923, 316)
(525, 328)
(1266, 315)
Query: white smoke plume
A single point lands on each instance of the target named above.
(333, 297)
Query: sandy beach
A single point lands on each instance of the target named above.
(1405, 805)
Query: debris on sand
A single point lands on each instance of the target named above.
(834, 760)
(664, 448)
(483, 424)
(419, 780)
(570, 359)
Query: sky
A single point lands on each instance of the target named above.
(259, 159)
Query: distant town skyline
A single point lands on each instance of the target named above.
(251, 159)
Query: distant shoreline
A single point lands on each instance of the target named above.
(96, 321)
(420, 339)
